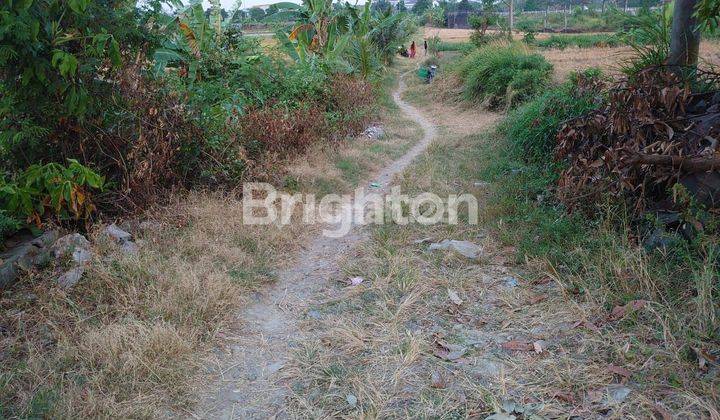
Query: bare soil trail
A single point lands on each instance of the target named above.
(250, 385)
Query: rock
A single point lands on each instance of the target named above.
(617, 394)
(81, 256)
(314, 314)
(351, 400)
(123, 238)
(274, 367)
(26, 254)
(510, 282)
(374, 132)
(118, 234)
(73, 244)
(129, 247)
(465, 248)
(660, 239)
(71, 278)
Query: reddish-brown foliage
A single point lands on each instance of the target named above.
(281, 132)
(354, 100)
(651, 133)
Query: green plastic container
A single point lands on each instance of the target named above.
(422, 73)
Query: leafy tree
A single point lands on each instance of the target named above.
(421, 6)
(464, 6)
(381, 6)
(257, 14)
(400, 6)
(272, 9)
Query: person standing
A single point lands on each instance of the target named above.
(413, 50)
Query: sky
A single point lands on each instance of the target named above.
(229, 4)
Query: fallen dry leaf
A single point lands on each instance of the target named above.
(537, 346)
(619, 371)
(450, 352)
(540, 281)
(537, 299)
(518, 345)
(564, 396)
(588, 325)
(620, 312)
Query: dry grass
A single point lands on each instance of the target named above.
(131, 340)
(572, 59)
(375, 351)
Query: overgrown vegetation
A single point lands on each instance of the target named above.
(579, 41)
(606, 187)
(503, 75)
(152, 101)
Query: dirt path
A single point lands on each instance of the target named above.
(250, 385)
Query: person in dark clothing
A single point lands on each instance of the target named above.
(425, 47)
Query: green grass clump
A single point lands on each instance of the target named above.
(463, 47)
(532, 127)
(503, 75)
(580, 41)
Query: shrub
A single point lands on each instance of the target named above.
(503, 75)
(8, 226)
(281, 131)
(350, 105)
(532, 128)
(580, 41)
(65, 191)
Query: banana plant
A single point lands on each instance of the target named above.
(193, 37)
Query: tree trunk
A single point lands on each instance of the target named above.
(547, 8)
(565, 26)
(685, 35)
(602, 8)
(626, 6)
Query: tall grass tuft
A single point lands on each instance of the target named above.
(503, 75)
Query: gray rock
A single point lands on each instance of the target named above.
(314, 314)
(71, 278)
(617, 394)
(70, 245)
(510, 282)
(25, 255)
(123, 238)
(374, 132)
(465, 248)
(118, 234)
(129, 247)
(81, 255)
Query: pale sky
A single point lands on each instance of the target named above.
(229, 4)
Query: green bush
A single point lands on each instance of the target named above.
(503, 75)
(65, 191)
(8, 226)
(532, 127)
